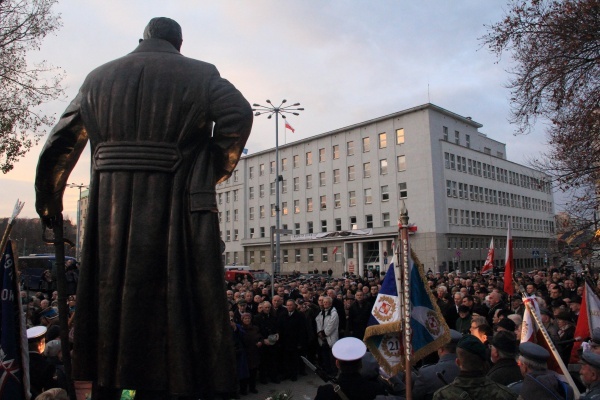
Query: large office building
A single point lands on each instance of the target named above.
(341, 195)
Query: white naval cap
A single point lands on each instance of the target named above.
(349, 349)
(35, 332)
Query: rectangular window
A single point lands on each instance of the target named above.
(251, 192)
(324, 225)
(261, 190)
(452, 161)
(297, 255)
(309, 227)
(309, 181)
(284, 164)
(309, 204)
(285, 256)
(368, 196)
(338, 224)
(401, 163)
(251, 236)
(251, 213)
(323, 202)
(272, 210)
(468, 141)
(366, 145)
(351, 173)
(296, 228)
(272, 167)
(235, 214)
(350, 148)
(220, 198)
(227, 216)
(383, 166)
(262, 211)
(296, 184)
(385, 219)
(296, 206)
(262, 231)
(353, 224)
(445, 129)
(402, 191)
(323, 254)
(366, 170)
(335, 151)
(351, 198)
(272, 188)
(228, 236)
(400, 136)
(382, 140)
(385, 193)
(321, 155)
(251, 172)
(284, 186)
(261, 169)
(235, 235)
(263, 256)
(309, 158)
(369, 220)
(311, 255)
(226, 197)
(337, 202)
(296, 161)
(336, 176)
(284, 207)
(322, 180)
(235, 175)
(456, 137)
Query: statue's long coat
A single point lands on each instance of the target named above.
(151, 308)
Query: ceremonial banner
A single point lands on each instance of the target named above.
(12, 336)
(429, 329)
(489, 261)
(589, 318)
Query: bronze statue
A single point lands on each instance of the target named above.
(151, 307)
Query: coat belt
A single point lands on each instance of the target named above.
(137, 156)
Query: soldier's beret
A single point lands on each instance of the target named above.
(349, 349)
(590, 358)
(534, 352)
(505, 341)
(473, 345)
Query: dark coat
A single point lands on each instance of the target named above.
(151, 248)
(358, 319)
(293, 334)
(250, 340)
(544, 385)
(354, 386)
(505, 372)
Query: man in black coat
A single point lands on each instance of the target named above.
(503, 352)
(359, 314)
(293, 339)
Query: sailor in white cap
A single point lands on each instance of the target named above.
(41, 371)
(348, 353)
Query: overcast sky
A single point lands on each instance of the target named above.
(344, 61)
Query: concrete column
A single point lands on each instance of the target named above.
(360, 261)
(381, 249)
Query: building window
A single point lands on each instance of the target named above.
(366, 145)
(338, 224)
(445, 129)
(385, 193)
(284, 164)
(323, 254)
(235, 214)
(468, 140)
(309, 181)
(487, 150)
(228, 236)
(284, 186)
(227, 218)
(309, 227)
(261, 190)
(369, 220)
(262, 231)
(385, 219)
(335, 151)
(297, 255)
(383, 166)
(368, 196)
(351, 198)
(311, 255)
(400, 136)
(236, 195)
(309, 204)
(251, 213)
(456, 137)
(272, 167)
(309, 158)
(296, 161)
(284, 207)
(272, 210)
(251, 172)
(350, 148)
(261, 169)
(324, 225)
(367, 170)
(322, 181)
(220, 198)
(296, 228)
(235, 235)
(296, 184)
(296, 206)
(262, 211)
(251, 235)
(321, 155)
(263, 257)
(336, 176)
(272, 188)
(251, 192)
(382, 140)
(235, 175)
(323, 202)
(353, 224)
(226, 197)
(220, 217)
(402, 191)
(337, 202)
(401, 163)
(351, 173)
(285, 256)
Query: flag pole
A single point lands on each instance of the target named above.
(403, 235)
(11, 222)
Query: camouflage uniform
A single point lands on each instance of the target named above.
(467, 387)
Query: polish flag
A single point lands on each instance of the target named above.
(509, 264)
(489, 261)
(288, 126)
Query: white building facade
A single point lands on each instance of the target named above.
(340, 196)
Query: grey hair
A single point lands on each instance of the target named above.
(166, 29)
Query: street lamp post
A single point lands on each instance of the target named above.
(270, 110)
(79, 186)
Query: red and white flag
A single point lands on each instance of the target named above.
(589, 318)
(334, 250)
(288, 126)
(509, 263)
(489, 261)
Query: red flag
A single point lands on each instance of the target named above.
(509, 263)
(489, 261)
(334, 250)
(288, 126)
(582, 330)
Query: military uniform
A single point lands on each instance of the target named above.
(476, 386)
(593, 392)
(593, 360)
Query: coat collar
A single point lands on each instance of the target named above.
(155, 45)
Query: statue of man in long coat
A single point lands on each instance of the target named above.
(151, 308)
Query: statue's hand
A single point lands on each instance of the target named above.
(48, 221)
